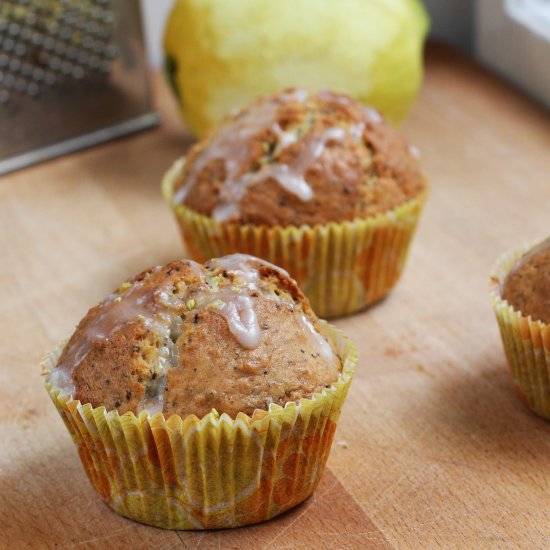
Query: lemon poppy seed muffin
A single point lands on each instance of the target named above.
(298, 158)
(314, 182)
(527, 287)
(192, 341)
(234, 335)
(520, 295)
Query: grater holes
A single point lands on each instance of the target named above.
(37, 39)
(87, 42)
(30, 20)
(92, 27)
(103, 35)
(97, 47)
(66, 68)
(49, 79)
(65, 33)
(78, 73)
(54, 63)
(46, 44)
(70, 19)
(20, 50)
(13, 29)
(14, 65)
(26, 70)
(20, 85)
(94, 62)
(26, 34)
(8, 81)
(38, 74)
(8, 45)
(32, 89)
(71, 53)
(83, 58)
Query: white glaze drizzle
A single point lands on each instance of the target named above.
(299, 94)
(414, 151)
(62, 378)
(230, 141)
(231, 145)
(241, 319)
(237, 308)
(137, 303)
(245, 269)
(372, 115)
(233, 302)
(153, 399)
(114, 312)
(323, 346)
(290, 176)
(284, 138)
(117, 310)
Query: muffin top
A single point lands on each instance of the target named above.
(527, 287)
(236, 335)
(297, 158)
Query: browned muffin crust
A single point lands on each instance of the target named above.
(354, 163)
(527, 287)
(236, 335)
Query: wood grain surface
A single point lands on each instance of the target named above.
(433, 448)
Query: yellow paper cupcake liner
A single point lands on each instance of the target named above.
(190, 473)
(526, 342)
(341, 267)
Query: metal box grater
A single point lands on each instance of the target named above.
(73, 73)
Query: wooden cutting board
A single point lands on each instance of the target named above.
(433, 448)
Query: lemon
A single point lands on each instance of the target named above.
(221, 54)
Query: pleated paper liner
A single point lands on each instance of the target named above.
(341, 267)
(526, 342)
(186, 473)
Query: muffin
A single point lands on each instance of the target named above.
(203, 396)
(314, 182)
(520, 293)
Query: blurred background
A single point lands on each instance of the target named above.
(510, 36)
(73, 74)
